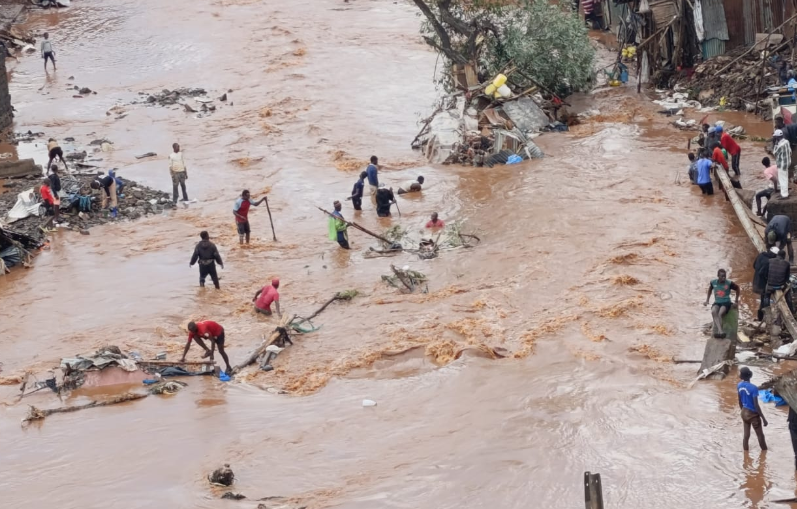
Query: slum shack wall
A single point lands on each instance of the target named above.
(6, 113)
(787, 207)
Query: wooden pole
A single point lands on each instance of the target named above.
(273, 233)
(763, 68)
(758, 241)
(753, 46)
(357, 226)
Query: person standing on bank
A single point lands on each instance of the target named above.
(54, 151)
(207, 254)
(178, 171)
(771, 174)
(722, 288)
(372, 172)
(241, 212)
(782, 151)
(47, 50)
(752, 416)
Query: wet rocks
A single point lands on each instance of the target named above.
(233, 496)
(169, 97)
(223, 476)
(182, 97)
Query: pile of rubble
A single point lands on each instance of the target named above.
(135, 201)
(193, 100)
(736, 87)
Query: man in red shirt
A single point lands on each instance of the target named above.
(211, 331)
(717, 156)
(241, 212)
(733, 148)
(265, 296)
(435, 222)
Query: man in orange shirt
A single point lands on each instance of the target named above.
(717, 156)
(211, 331)
(733, 148)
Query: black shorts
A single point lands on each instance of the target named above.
(726, 305)
(50, 55)
(56, 151)
(220, 339)
(243, 228)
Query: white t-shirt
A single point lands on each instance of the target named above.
(176, 162)
(407, 186)
(47, 46)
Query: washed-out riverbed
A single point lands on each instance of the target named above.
(591, 272)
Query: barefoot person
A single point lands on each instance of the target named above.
(751, 411)
(241, 212)
(47, 50)
(722, 288)
(265, 296)
(178, 171)
(107, 184)
(211, 331)
(54, 151)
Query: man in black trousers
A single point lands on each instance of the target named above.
(208, 256)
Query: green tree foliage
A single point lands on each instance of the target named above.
(548, 43)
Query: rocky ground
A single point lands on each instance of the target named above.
(136, 201)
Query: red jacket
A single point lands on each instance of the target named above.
(719, 158)
(47, 195)
(729, 144)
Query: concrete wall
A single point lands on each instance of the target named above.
(6, 115)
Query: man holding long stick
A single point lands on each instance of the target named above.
(241, 212)
(338, 226)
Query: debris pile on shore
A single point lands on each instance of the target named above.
(134, 202)
(737, 86)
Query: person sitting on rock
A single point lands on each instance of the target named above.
(722, 288)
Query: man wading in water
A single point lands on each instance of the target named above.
(208, 256)
(241, 212)
(722, 300)
(751, 411)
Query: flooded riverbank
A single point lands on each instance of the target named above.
(591, 274)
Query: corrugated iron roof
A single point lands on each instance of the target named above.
(714, 22)
(712, 48)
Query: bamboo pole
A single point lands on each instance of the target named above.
(758, 241)
(357, 226)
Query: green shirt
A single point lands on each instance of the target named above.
(722, 291)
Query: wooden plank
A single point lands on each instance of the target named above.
(758, 241)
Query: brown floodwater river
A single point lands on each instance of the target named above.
(591, 273)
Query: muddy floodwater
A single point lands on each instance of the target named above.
(591, 274)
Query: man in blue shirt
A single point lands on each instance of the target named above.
(704, 173)
(373, 178)
(751, 411)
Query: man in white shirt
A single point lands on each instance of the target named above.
(179, 172)
(47, 51)
(412, 186)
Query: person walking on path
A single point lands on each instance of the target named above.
(211, 331)
(751, 411)
(241, 212)
(357, 192)
(733, 148)
(207, 254)
(265, 296)
(338, 227)
(782, 152)
(722, 288)
(178, 171)
(372, 172)
(47, 51)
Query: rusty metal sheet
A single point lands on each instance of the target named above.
(714, 20)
